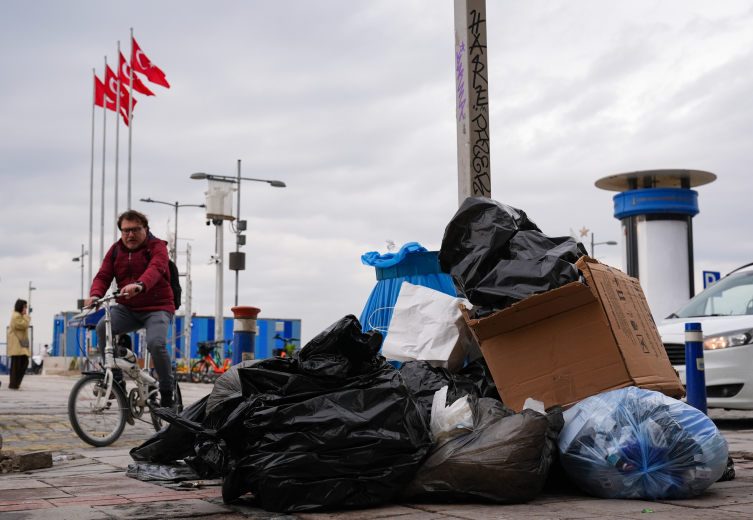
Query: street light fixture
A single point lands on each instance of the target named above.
(236, 180)
(80, 258)
(610, 243)
(176, 206)
(237, 260)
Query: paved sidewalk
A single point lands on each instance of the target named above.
(94, 486)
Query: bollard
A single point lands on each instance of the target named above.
(695, 376)
(244, 333)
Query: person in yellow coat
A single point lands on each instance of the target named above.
(18, 344)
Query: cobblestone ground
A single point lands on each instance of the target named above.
(36, 417)
(94, 486)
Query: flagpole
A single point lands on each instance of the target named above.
(104, 134)
(91, 176)
(130, 118)
(117, 155)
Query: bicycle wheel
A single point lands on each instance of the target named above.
(198, 370)
(177, 399)
(98, 427)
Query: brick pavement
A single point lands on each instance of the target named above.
(94, 487)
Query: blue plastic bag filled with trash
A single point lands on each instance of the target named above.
(639, 444)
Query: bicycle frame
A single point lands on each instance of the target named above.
(219, 369)
(141, 377)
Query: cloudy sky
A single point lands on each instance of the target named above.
(352, 105)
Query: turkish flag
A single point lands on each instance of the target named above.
(99, 95)
(125, 74)
(143, 65)
(111, 87)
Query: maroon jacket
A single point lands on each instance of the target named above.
(147, 264)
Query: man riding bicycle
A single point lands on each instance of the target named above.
(139, 264)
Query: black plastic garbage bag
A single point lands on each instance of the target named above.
(333, 427)
(497, 256)
(505, 459)
(172, 443)
(227, 384)
(424, 380)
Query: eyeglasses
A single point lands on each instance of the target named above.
(134, 230)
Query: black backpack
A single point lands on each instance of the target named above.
(174, 275)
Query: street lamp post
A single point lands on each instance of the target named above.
(610, 243)
(237, 262)
(174, 254)
(80, 258)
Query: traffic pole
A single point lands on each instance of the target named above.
(695, 375)
(244, 333)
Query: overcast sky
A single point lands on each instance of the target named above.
(352, 105)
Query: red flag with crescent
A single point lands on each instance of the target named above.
(99, 95)
(143, 65)
(125, 75)
(111, 87)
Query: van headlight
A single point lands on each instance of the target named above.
(728, 340)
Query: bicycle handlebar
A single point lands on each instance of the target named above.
(104, 300)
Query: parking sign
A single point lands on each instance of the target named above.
(710, 277)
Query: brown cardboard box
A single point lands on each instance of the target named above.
(576, 341)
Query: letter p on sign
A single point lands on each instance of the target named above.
(710, 278)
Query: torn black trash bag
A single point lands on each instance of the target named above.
(172, 442)
(227, 384)
(505, 459)
(172, 472)
(424, 380)
(497, 256)
(334, 427)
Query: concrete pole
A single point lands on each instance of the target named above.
(219, 326)
(472, 100)
(238, 231)
(188, 313)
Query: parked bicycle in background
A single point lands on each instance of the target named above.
(210, 359)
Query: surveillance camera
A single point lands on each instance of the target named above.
(208, 223)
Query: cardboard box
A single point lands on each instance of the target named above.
(576, 341)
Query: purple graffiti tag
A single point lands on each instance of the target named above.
(460, 80)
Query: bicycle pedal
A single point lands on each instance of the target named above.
(129, 418)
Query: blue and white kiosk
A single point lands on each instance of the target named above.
(656, 209)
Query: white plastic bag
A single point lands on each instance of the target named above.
(449, 419)
(427, 325)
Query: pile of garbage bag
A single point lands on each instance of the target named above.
(635, 443)
(497, 256)
(499, 456)
(335, 426)
(425, 380)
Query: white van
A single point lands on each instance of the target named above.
(725, 312)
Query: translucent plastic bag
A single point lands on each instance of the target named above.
(450, 419)
(635, 443)
(505, 459)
